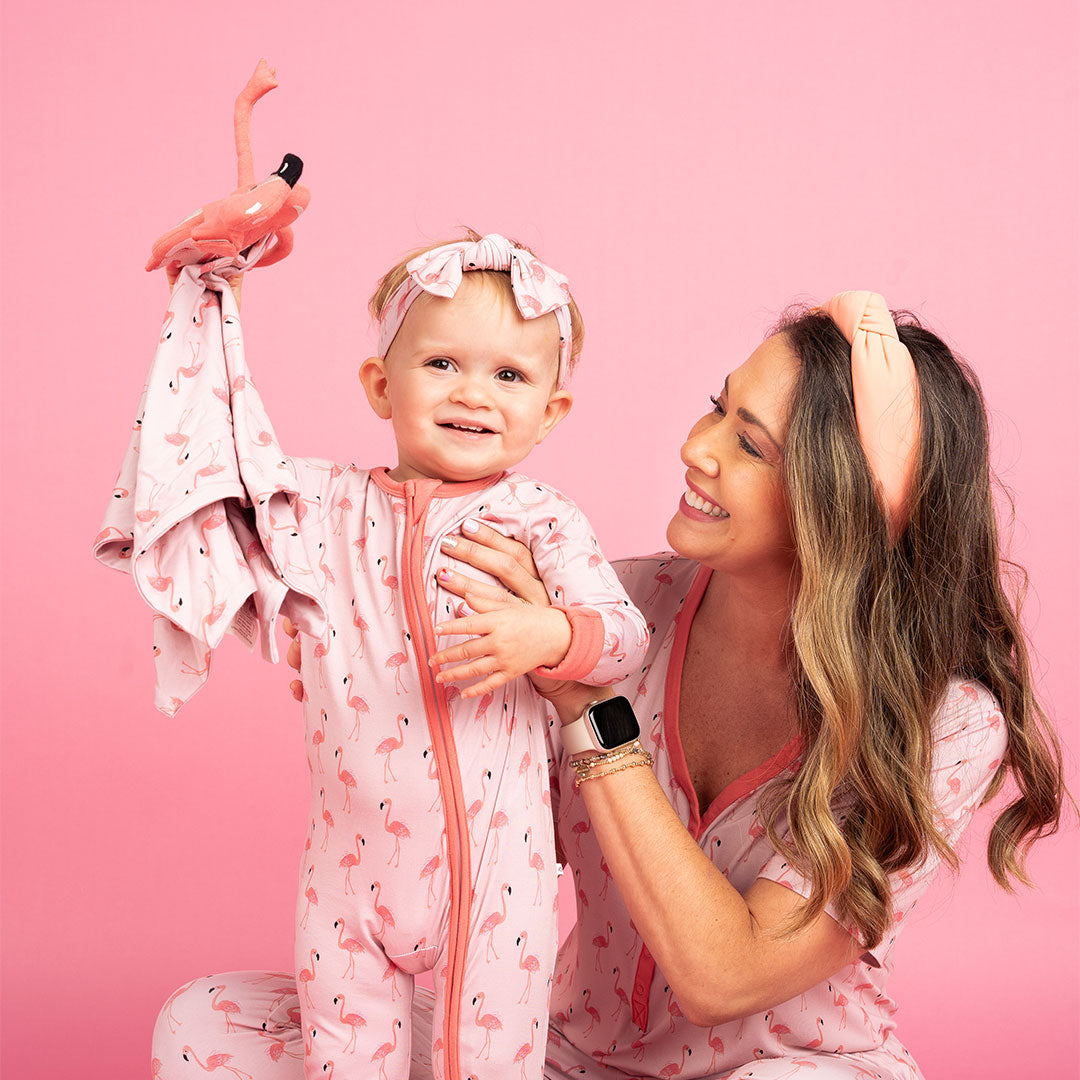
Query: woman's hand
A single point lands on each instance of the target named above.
(511, 563)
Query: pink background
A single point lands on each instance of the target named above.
(692, 168)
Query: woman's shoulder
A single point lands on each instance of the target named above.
(648, 578)
(969, 716)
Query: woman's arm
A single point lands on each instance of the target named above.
(714, 945)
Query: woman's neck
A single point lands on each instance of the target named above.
(750, 620)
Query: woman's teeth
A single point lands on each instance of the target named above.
(698, 503)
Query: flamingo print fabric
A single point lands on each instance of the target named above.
(430, 843)
(612, 1014)
(206, 509)
(611, 1004)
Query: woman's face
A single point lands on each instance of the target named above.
(734, 459)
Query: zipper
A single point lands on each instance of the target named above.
(449, 773)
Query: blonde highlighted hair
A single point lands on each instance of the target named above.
(878, 630)
(393, 277)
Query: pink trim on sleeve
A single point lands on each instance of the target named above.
(586, 644)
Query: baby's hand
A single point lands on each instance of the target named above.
(235, 283)
(510, 642)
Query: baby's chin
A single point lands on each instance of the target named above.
(492, 468)
(452, 474)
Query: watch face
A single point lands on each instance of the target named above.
(614, 722)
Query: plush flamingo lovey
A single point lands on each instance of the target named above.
(230, 225)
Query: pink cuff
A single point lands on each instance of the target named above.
(586, 645)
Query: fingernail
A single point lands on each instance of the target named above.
(449, 541)
(446, 575)
(470, 525)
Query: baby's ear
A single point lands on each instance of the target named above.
(376, 385)
(557, 408)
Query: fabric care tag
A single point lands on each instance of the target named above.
(245, 624)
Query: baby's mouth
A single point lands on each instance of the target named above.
(469, 429)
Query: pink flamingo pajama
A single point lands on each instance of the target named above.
(612, 1014)
(431, 841)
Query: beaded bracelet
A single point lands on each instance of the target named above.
(585, 764)
(645, 758)
(586, 768)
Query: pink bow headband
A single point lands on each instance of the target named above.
(537, 288)
(886, 391)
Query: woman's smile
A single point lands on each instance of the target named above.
(699, 509)
(696, 505)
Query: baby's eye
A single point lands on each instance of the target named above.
(510, 375)
(440, 363)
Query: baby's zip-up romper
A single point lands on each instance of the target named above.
(430, 844)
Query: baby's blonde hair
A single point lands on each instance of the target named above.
(501, 278)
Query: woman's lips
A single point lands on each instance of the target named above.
(693, 506)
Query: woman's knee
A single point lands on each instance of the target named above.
(185, 1011)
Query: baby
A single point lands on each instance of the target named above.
(431, 844)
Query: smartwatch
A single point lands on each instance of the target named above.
(603, 726)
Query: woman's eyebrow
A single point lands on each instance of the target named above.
(750, 418)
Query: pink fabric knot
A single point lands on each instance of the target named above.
(886, 395)
(538, 289)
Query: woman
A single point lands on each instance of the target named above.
(836, 681)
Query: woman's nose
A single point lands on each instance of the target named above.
(699, 453)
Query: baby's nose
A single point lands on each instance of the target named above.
(471, 391)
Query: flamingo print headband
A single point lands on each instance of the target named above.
(886, 391)
(537, 288)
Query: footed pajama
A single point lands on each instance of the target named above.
(430, 844)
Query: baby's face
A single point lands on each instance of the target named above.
(468, 384)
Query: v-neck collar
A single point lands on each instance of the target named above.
(742, 785)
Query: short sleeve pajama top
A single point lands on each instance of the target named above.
(610, 1006)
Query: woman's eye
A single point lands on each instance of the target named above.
(510, 375)
(747, 447)
(719, 409)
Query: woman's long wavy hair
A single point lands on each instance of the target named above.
(878, 629)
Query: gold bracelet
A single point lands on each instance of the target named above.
(607, 772)
(587, 766)
(609, 755)
(583, 768)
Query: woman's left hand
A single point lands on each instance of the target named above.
(510, 562)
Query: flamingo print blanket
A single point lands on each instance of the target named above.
(204, 514)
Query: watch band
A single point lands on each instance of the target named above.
(579, 736)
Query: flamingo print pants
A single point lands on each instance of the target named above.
(247, 1024)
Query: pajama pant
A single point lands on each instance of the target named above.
(247, 1024)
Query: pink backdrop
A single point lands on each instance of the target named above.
(791, 151)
